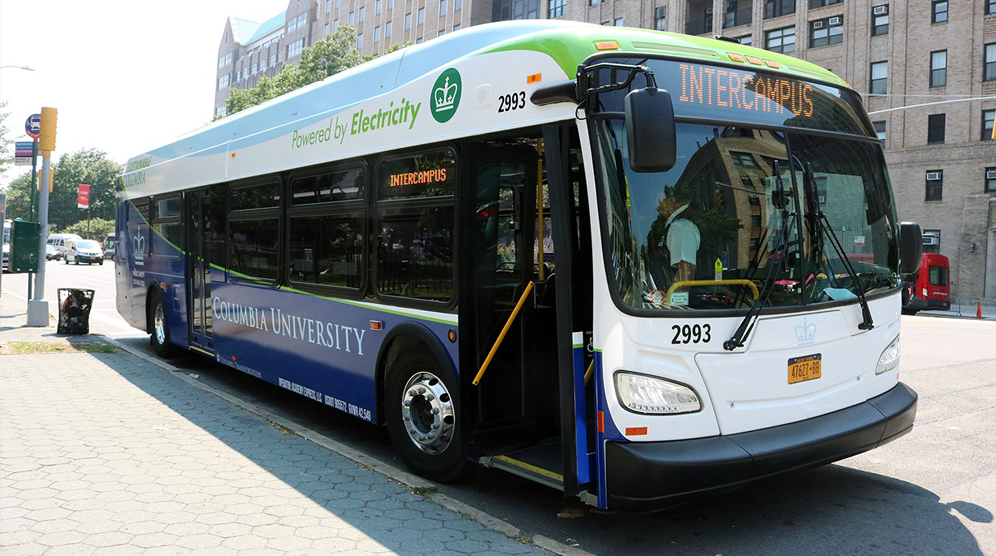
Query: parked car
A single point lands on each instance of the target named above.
(84, 250)
(110, 244)
(51, 253)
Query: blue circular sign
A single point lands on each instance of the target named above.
(32, 126)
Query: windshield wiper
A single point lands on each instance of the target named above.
(781, 254)
(824, 226)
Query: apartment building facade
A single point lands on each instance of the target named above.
(926, 69)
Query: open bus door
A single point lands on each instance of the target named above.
(532, 412)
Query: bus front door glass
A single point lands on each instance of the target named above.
(505, 177)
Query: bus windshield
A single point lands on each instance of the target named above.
(739, 214)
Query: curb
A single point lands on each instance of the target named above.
(417, 484)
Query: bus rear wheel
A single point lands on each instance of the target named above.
(159, 326)
(421, 410)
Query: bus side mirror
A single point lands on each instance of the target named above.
(910, 247)
(650, 135)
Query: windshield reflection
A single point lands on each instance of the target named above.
(709, 233)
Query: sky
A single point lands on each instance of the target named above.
(125, 75)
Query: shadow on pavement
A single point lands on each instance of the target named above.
(829, 510)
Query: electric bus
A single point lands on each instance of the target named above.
(634, 266)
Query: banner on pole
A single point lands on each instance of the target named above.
(83, 201)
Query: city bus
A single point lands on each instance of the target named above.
(633, 266)
(930, 287)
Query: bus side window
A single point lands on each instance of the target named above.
(325, 246)
(168, 223)
(254, 231)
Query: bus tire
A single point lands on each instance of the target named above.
(159, 326)
(420, 405)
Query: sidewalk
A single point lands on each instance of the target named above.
(107, 453)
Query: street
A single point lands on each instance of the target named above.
(930, 492)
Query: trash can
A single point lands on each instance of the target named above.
(74, 310)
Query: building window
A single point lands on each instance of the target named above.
(442, 8)
(746, 40)
(780, 40)
(935, 182)
(879, 78)
(377, 34)
(932, 241)
(935, 129)
(255, 67)
(939, 11)
(618, 22)
(939, 68)
(421, 16)
(988, 118)
(457, 5)
(989, 65)
(777, 8)
(390, 4)
(821, 3)
(557, 8)
(990, 178)
(660, 17)
(350, 18)
(880, 130)
(328, 6)
(293, 49)
(359, 41)
(335, 25)
(220, 111)
(408, 22)
(362, 15)
(990, 7)
(377, 7)
(387, 30)
(223, 81)
(826, 31)
(592, 2)
(456, 27)
(880, 20)
(326, 30)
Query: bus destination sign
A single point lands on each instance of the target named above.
(728, 88)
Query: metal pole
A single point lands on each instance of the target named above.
(38, 306)
(35, 185)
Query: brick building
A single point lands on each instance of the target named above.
(897, 53)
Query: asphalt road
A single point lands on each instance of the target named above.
(930, 492)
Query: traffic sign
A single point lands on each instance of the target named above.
(23, 160)
(32, 126)
(83, 198)
(23, 148)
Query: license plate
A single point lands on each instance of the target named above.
(801, 369)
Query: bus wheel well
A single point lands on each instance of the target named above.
(148, 308)
(402, 339)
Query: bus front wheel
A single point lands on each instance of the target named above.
(421, 410)
(159, 325)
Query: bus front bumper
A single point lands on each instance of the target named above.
(657, 475)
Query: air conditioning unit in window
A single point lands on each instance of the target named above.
(817, 25)
(880, 10)
(933, 176)
(835, 20)
(931, 240)
(991, 174)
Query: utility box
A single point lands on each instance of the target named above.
(24, 238)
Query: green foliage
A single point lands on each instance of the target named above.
(89, 166)
(99, 228)
(329, 56)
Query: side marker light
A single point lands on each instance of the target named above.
(606, 45)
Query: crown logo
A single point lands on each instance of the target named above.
(138, 241)
(805, 333)
(445, 96)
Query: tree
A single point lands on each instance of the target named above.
(99, 228)
(89, 166)
(5, 158)
(329, 56)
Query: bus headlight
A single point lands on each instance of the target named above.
(654, 396)
(889, 358)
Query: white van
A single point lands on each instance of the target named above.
(59, 242)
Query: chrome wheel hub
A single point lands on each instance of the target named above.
(159, 323)
(428, 413)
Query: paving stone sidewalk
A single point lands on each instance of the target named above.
(110, 454)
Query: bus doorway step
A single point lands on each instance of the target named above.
(541, 463)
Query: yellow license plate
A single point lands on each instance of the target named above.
(801, 369)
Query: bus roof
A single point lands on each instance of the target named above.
(566, 43)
